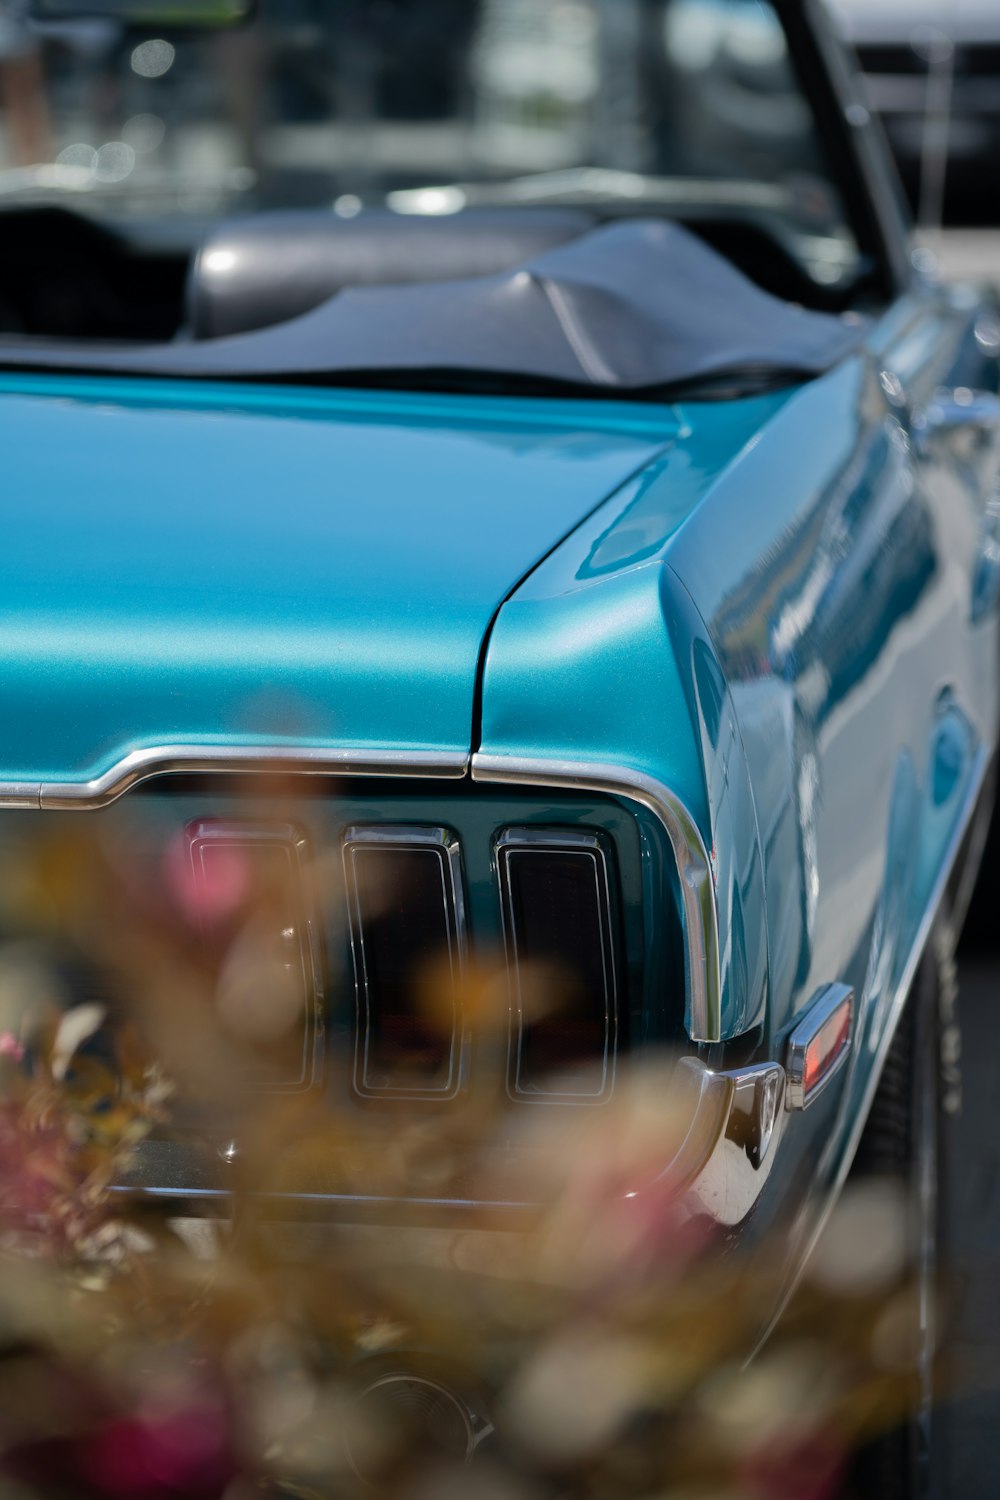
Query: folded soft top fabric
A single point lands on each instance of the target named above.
(631, 306)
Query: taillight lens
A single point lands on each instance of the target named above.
(250, 890)
(824, 1051)
(819, 1044)
(407, 938)
(556, 895)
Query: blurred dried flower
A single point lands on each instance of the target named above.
(588, 1342)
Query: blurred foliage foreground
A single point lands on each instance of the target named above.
(597, 1349)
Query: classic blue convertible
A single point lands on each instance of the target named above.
(595, 513)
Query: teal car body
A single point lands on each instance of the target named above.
(749, 644)
(527, 611)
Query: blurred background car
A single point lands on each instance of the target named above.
(933, 75)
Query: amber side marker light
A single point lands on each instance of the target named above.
(819, 1045)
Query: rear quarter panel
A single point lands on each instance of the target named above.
(786, 631)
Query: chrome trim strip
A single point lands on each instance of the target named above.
(821, 1008)
(233, 832)
(701, 921)
(696, 882)
(557, 841)
(274, 760)
(443, 843)
(331, 1201)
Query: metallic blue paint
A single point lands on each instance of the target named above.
(801, 639)
(772, 639)
(203, 564)
(782, 608)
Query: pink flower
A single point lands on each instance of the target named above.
(186, 1452)
(809, 1467)
(10, 1046)
(212, 891)
(34, 1169)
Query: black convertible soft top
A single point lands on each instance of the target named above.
(638, 305)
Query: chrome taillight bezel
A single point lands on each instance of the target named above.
(444, 845)
(243, 834)
(513, 843)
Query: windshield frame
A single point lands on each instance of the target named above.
(859, 157)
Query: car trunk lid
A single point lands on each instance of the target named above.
(226, 566)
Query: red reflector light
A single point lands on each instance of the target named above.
(819, 1044)
(824, 1051)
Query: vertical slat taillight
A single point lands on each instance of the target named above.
(556, 894)
(407, 927)
(253, 890)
